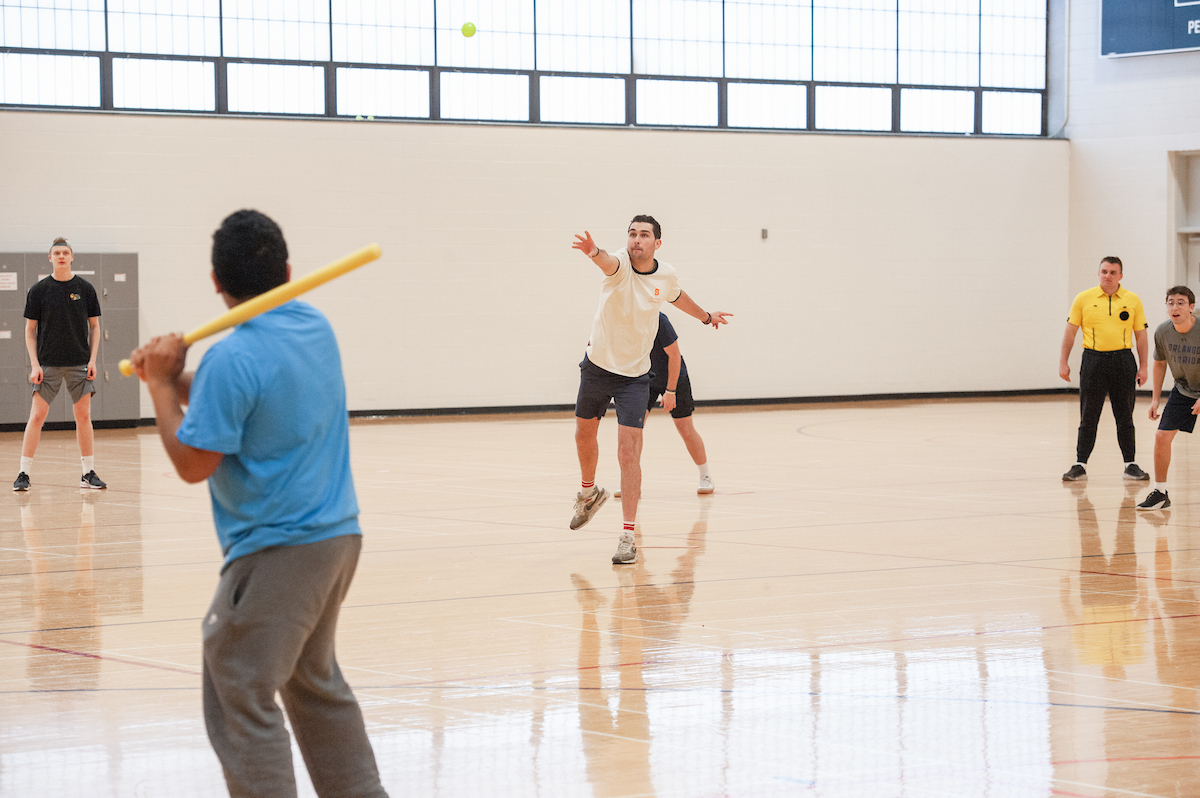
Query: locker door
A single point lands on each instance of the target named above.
(118, 290)
(15, 392)
(14, 368)
(118, 337)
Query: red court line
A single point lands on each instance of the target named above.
(121, 660)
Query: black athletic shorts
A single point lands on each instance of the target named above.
(597, 386)
(1178, 412)
(684, 404)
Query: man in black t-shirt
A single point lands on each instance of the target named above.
(62, 334)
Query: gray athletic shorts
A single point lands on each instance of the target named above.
(53, 378)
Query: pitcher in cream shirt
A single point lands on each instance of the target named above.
(617, 364)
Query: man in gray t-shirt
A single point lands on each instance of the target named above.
(1176, 343)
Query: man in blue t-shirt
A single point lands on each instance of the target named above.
(286, 515)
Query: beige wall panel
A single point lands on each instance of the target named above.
(893, 264)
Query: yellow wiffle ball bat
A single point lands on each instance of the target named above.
(275, 297)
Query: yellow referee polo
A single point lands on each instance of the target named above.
(1108, 322)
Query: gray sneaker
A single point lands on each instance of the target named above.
(626, 551)
(1076, 473)
(22, 482)
(585, 508)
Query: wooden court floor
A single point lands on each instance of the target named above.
(880, 599)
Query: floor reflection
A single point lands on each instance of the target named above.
(645, 614)
(1176, 645)
(66, 616)
(1111, 592)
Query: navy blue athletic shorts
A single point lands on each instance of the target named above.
(684, 404)
(597, 386)
(1178, 412)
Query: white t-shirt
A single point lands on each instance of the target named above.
(627, 319)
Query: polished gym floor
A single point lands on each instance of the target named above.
(880, 599)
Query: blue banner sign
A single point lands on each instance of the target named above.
(1140, 27)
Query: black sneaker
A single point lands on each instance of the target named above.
(1076, 474)
(90, 480)
(1157, 500)
(22, 482)
(1133, 472)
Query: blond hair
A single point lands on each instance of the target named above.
(61, 242)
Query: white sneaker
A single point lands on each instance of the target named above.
(626, 551)
(706, 486)
(586, 506)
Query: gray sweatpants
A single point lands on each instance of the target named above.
(271, 629)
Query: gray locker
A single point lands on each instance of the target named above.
(12, 282)
(15, 392)
(115, 278)
(14, 368)
(118, 289)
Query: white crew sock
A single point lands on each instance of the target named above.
(89, 464)
(1160, 486)
(703, 470)
(27, 465)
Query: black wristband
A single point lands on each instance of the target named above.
(709, 319)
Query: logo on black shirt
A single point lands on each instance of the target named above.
(76, 297)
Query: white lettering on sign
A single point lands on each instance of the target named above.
(118, 278)
(6, 334)
(8, 281)
(1194, 26)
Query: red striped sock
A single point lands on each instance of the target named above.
(587, 486)
(629, 527)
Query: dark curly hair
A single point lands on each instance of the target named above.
(249, 255)
(650, 220)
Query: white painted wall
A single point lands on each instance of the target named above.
(1126, 115)
(892, 264)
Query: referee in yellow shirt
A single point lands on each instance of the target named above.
(1113, 321)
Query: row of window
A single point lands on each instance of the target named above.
(990, 43)
(189, 85)
(943, 66)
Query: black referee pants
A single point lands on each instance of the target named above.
(1111, 374)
